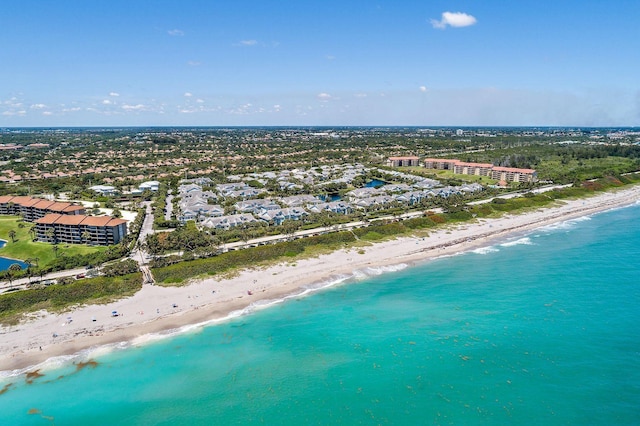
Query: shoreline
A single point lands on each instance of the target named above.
(158, 311)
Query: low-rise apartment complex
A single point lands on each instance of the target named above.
(403, 161)
(507, 174)
(80, 229)
(32, 209)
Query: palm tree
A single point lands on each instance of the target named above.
(14, 268)
(50, 234)
(12, 235)
(86, 237)
(55, 249)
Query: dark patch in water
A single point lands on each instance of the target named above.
(32, 375)
(5, 388)
(90, 363)
(36, 411)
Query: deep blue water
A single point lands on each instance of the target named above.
(542, 329)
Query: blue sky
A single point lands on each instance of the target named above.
(265, 62)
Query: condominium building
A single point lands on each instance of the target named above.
(403, 161)
(507, 174)
(32, 209)
(80, 229)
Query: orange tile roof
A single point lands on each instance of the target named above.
(6, 198)
(115, 221)
(29, 202)
(43, 204)
(442, 160)
(514, 170)
(95, 220)
(404, 158)
(58, 206)
(65, 219)
(48, 219)
(68, 219)
(460, 163)
(73, 208)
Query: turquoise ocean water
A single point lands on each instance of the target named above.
(541, 329)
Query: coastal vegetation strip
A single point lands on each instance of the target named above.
(57, 298)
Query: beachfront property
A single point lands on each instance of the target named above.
(507, 174)
(338, 207)
(80, 229)
(276, 217)
(403, 161)
(228, 222)
(32, 209)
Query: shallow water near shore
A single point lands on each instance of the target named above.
(539, 329)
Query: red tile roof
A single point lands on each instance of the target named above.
(58, 207)
(95, 220)
(65, 219)
(514, 170)
(43, 204)
(68, 219)
(73, 208)
(48, 219)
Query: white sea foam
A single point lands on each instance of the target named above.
(485, 250)
(565, 225)
(62, 361)
(150, 338)
(522, 241)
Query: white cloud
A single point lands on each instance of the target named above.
(194, 63)
(423, 88)
(106, 102)
(248, 42)
(38, 106)
(330, 57)
(175, 33)
(114, 94)
(200, 101)
(47, 113)
(454, 19)
(360, 95)
(188, 94)
(137, 107)
(324, 97)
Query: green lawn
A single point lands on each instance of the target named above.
(23, 248)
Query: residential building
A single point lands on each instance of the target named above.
(403, 161)
(227, 222)
(34, 208)
(80, 229)
(104, 190)
(278, 216)
(507, 174)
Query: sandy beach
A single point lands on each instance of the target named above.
(159, 310)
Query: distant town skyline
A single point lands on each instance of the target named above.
(320, 63)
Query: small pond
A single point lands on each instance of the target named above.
(375, 183)
(6, 262)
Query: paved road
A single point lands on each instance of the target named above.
(22, 282)
(169, 208)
